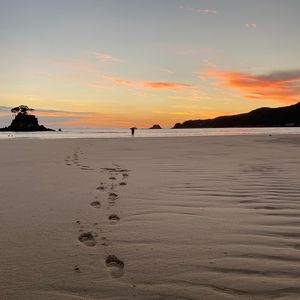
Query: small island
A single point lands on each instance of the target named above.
(155, 126)
(24, 121)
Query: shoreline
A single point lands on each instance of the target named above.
(93, 136)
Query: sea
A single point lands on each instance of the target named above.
(77, 133)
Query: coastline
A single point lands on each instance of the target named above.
(209, 216)
(163, 133)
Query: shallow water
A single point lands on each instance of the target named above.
(125, 133)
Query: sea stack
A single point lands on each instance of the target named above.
(24, 121)
(155, 126)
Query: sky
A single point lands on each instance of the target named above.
(123, 63)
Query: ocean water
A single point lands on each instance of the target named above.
(125, 133)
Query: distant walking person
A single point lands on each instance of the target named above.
(133, 130)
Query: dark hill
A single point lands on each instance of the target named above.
(261, 117)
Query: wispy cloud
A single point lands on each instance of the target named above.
(166, 85)
(73, 65)
(176, 113)
(208, 63)
(107, 58)
(185, 113)
(283, 86)
(251, 25)
(45, 116)
(100, 120)
(193, 51)
(167, 71)
(155, 85)
(4, 108)
(62, 118)
(200, 10)
(194, 96)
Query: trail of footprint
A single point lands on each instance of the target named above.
(74, 159)
(115, 266)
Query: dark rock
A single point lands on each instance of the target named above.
(25, 122)
(155, 126)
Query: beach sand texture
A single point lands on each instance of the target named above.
(150, 218)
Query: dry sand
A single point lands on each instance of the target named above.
(150, 218)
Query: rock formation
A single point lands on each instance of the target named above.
(24, 121)
(155, 126)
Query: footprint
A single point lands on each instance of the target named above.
(123, 183)
(86, 169)
(77, 269)
(113, 196)
(115, 266)
(114, 219)
(100, 188)
(95, 204)
(88, 239)
(104, 241)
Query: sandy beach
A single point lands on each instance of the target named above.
(150, 218)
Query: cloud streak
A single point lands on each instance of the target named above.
(200, 10)
(251, 25)
(73, 65)
(107, 58)
(195, 96)
(282, 86)
(155, 85)
(62, 118)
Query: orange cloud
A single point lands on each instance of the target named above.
(283, 86)
(157, 85)
(166, 85)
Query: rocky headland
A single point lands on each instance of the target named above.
(287, 116)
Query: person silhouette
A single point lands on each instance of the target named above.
(132, 130)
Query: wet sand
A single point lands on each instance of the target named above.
(150, 218)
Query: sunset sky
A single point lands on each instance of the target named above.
(119, 63)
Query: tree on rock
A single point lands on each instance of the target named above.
(22, 109)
